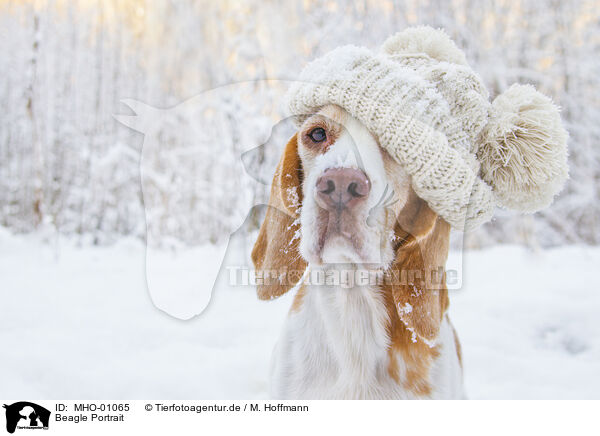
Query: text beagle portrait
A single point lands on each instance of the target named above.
(393, 149)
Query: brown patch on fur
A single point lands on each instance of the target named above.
(298, 300)
(275, 254)
(458, 347)
(417, 356)
(416, 306)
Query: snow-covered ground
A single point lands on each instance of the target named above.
(79, 323)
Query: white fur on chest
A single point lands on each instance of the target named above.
(335, 346)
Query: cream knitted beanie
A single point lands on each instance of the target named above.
(432, 113)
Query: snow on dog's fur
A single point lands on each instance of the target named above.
(385, 338)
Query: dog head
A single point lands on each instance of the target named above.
(338, 197)
(352, 192)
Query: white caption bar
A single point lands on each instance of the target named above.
(150, 417)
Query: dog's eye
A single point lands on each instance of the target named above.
(318, 134)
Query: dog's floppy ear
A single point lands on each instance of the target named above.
(275, 255)
(416, 277)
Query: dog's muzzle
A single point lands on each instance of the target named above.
(342, 188)
(341, 195)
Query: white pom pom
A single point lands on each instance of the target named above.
(523, 149)
(424, 39)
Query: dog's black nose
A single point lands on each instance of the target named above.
(339, 188)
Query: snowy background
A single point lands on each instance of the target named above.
(85, 200)
(77, 322)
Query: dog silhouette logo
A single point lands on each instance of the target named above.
(185, 146)
(26, 415)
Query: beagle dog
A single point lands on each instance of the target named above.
(342, 209)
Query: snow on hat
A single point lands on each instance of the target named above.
(432, 113)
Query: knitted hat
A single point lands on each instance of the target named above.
(432, 113)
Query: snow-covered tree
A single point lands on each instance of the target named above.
(67, 166)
